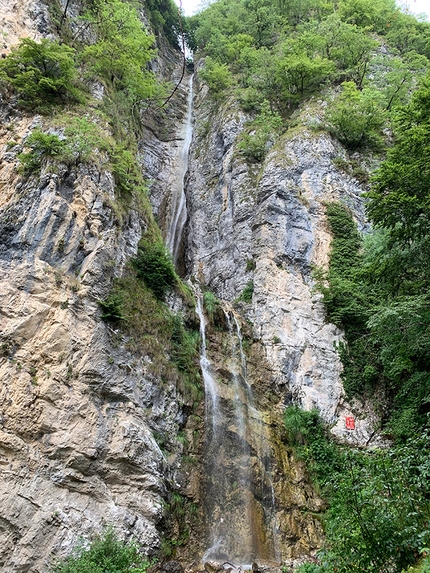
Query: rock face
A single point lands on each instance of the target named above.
(78, 408)
(76, 448)
(264, 226)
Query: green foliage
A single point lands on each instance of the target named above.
(301, 74)
(251, 265)
(81, 141)
(41, 146)
(379, 501)
(399, 199)
(43, 73)
(105, 554)
(379, 507)
(121, 51)
(284, 51)
(210, 303)
(84, 140)
(154, 265)
(254, 145)
(302, 427)
(128, 175)
(184, 345)
(112, 307)
(164, 17)
(216, 75)
(356, 117)
(377, 291)
(248, 291)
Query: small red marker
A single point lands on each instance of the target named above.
(350, 423)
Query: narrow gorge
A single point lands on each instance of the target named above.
(159, 299)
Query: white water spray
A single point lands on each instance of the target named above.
(239, 501)
(178, 214)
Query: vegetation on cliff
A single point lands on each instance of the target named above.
(277, 54)
(379, 500)
(369, 61)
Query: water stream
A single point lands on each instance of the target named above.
(239, 496)
(178, 213)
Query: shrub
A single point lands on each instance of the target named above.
(106, 554)
(42, 73)
(210, 302)
(253, 146)
(41, 145)
(154, 265)
(217, 76)
(112, 307)
(248, 291)
(356, 117)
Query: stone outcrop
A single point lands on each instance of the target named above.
(79, 407)
(264, 225)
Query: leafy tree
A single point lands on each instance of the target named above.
(84, 139)
(367, 13)
(406, 34)
(300, 75)
(164, 16)
(356, 118)
(122, 49)
(43, 73)
(401, 75)
(400, 197)
(379, 509)
(217, 76)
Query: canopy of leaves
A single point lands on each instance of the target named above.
(121, 50)
(356, 117)
(42, 72)
(290, 50)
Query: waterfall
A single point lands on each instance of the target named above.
(211, 396)
(239, 495)
(178, 211)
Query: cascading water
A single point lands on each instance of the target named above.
(239, 500)
(178, 213)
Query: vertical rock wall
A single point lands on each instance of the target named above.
(265, 224)
(78, 407)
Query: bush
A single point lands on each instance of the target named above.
(112, 307)
(41, 145)
(356, 117)
(42, 73)
(253, 146)
(154, 265)
(248, 291)
(217, 76)
(106, 554)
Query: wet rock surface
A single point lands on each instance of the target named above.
(264, 226)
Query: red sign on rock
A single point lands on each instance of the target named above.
(350, 423)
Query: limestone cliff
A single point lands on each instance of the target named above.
(264, 225)
(79, 406)
(80, 403)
